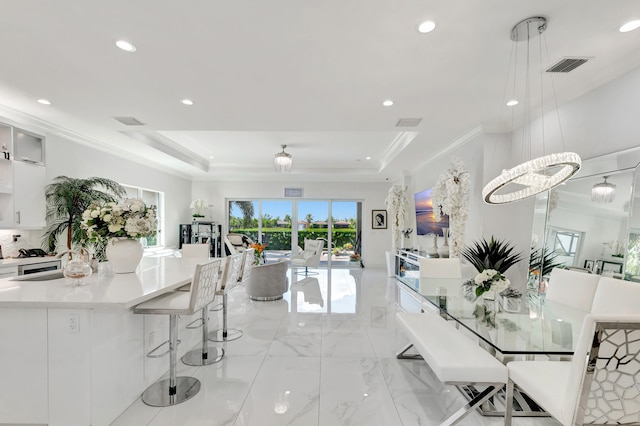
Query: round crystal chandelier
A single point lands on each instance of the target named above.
(603, 192)
(539, 174)
(283, 161)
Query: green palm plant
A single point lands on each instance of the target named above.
(544, 257)
(495, 254)
(67, 198)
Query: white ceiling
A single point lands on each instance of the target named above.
(311, 75)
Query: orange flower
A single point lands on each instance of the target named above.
(258, 247)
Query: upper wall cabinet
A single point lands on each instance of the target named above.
(22, 179)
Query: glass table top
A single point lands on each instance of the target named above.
(526, 325)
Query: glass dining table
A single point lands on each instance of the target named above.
(524, 327)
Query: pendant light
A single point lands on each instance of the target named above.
(603, 192)
(283, 161)
(543, 173)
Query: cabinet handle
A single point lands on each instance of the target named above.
(18, 217)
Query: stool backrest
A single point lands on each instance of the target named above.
(604, 372)
(231, 271)
(206, 282)
(247, 264)
(195, 251)
(572, 288)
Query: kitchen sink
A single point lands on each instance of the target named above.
(40, 276)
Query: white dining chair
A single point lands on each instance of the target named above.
(440, 268)
(572, 288)
(195, 251)
(598, 386)
(614, 296)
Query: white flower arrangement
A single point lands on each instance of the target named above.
(199, 206)
(396, 203)
(129, 219)
(490, 280)
(451, 195)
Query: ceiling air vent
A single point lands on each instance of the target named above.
(408, 122)
(567, 64)
(129, 121)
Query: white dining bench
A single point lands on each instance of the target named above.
(454, 358)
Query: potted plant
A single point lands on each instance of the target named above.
(67, 198)
(494, 254)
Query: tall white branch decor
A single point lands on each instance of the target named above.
(396, 207)
(451, 193)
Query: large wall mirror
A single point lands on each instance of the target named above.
(598, 234)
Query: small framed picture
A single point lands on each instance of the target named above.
(379, 219)
(588, 264)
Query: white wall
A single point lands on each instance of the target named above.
(64, 157)
(374, 241)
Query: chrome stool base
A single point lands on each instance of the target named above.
(196, 357)
(218, 335)
(157, 395)
(216, 307)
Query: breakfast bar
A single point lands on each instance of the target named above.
(76, 355)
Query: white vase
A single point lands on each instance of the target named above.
(443, 251)
(124, 254)
(433, 251)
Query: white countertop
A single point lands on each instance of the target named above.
(154, 276)
(26, 260)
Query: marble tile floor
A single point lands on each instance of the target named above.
(324, 355)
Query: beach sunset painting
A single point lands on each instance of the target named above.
(425, 221)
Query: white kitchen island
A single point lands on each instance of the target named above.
(76, 355)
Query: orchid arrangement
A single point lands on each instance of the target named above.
(128, 219)
(451, 194)
(199, 206)
(396, 204)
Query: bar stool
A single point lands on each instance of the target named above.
(247, 265)
(206, 354)
(229, 281)
(175, 390)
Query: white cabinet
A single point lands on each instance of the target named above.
(8, 271)
(22, 179)
(28, 197)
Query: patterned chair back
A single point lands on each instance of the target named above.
(247, 265)
(605, 371)
(231, 272)
(205, 283)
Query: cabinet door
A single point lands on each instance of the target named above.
(29, 181)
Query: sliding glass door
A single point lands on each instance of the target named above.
(284, 225)
(275, 228)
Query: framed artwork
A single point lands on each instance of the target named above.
(606, 265)
(588, 264)
(379, 219)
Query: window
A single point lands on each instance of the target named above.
(150, 198)
(566, 244)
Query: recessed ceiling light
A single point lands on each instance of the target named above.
(44, 101)
(630, 26)
(211, 157)
(187, 101)
(426, 27)
(126, 46)
(512, 102)
(388, 102)
(367, 158)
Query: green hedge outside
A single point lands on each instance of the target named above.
(280, 238)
